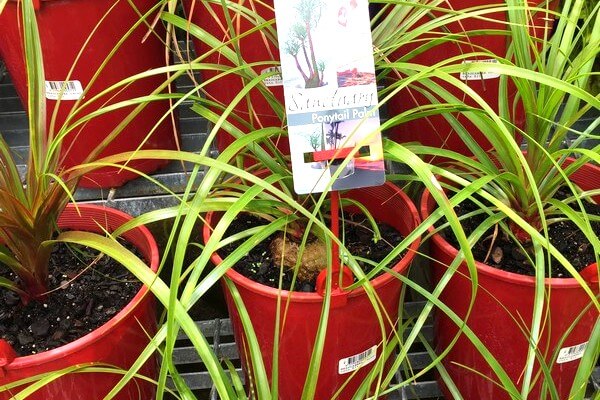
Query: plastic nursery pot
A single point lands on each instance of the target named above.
(435, 130)
(64, 28)
(353, 329)
(256, 47)
(118, 342)
(501, 318)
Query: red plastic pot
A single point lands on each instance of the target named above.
(254, 47)
(435, 130)
(118, 342)
(502, 313)
(352, 327)
(64, 27)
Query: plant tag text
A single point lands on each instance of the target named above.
(330, 93)
(572, 353)
(275, 80)
(349, 364)
(63, 90)
(478, 75)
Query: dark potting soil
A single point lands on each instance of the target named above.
(83, 296)
(259, 266)
(507, 256)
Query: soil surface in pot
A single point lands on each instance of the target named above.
(84, 294)
(259, 266)
(497, 250)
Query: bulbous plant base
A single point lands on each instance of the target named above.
(353, 329)
(117, 343)
(501, 318)
(285, 252)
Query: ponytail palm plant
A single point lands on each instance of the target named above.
(267, 194)
(523, 185)
(519, 179)
(30, 207)
(31, 204)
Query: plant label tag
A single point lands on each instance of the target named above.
(275, 79)
(572, 353)
(330, 94)
(478, 75)
(63, 90)
(349, 364)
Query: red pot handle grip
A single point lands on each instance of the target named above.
(590, 273)
(7, 355)
(339, 297)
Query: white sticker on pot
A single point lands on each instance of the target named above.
(349, 364)
(478, 75)
(65, 90)
(274, 80)
(571, 353)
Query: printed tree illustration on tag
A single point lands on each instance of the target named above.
(300, 43)
(330, 94)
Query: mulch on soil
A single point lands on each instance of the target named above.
(499, 251)
(82, 298)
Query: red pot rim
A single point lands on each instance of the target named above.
(313, 297)
(589, 171)
(97, 334)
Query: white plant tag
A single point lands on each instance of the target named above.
(330, 90)
(571, 353)
(478, 75)
(275, 80)
(349, 364)
(65, 90)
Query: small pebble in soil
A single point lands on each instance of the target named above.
(11, 298)
(40, 327)
(497, 255)
(307, 287)
(517, 254)
(24, 339)
(88, 309)
(58, 335)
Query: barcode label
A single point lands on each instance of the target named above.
(349, 364)
(65, 90)
(571, 353)
(478, 75)
(275, 80)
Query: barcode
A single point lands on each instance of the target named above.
(577, 349)
(65, 90)
(275, 80)
(478, 75)
(57, 85)
(358, 358)
(571, 353)
(357, 361)
(271, 69)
